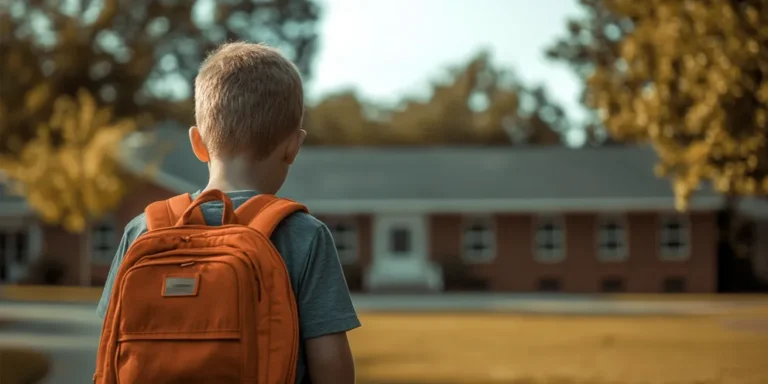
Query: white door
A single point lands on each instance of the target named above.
(401, 254)
(400, 241)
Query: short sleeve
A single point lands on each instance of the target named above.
(324, 302)
(133, 230)
(105, 294)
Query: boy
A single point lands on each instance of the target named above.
(249, 105)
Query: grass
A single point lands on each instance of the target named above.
(52, 294)
(486, 348)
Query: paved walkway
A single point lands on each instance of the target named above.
(551, 304)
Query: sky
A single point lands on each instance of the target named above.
(387, 49)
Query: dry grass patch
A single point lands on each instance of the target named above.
(486, 348)
(50, 293)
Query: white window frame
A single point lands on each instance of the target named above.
(110, 239)
(349, 239)
(668, 235)
(556, 253)
(621, 253)
(10, 240)
(478, 230)
(14, 269)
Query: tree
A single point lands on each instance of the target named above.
(479, 104)
(343, 118)
(590, 40)
(77, 75)
(69, 171)
(691, 78)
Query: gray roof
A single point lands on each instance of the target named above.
(447, 172)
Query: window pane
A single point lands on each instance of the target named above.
(549, 241)
(477, 240)
(21, 247)
(478, 246)
(340, 228)
(673, 237)
(400, 240)
(611, 238)
(345, 238)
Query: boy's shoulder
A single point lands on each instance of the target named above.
(299, 223)
(135, 228)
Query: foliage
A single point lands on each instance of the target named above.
(69, 171)
(478, 104)
(134, 58)
(593, 38)
(690, 77)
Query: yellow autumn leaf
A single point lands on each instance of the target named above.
(689, 80)
(72, 181)
(36, 98)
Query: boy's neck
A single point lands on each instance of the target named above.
(234, 175)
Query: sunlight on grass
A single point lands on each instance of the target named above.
(480, 349)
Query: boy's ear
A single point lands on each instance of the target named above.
(294, 145)
(198, 146)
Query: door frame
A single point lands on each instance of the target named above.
(15, 271)
(417, 225)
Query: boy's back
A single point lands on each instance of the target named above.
(249, 109)
(307, 248)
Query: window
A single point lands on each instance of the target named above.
(674, 285)
(14, 249)
(103, 241)
(22, 248)
(612, 239)
(612, 285)
(549, 240)
(479, 240)
(674, 238)
(400, 240)
(3, 259)
(549, 284)
(344, 234)
(14, 246)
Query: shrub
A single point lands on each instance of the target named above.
(22, 366)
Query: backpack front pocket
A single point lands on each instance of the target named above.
(180, 322)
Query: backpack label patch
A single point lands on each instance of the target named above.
(181, 285)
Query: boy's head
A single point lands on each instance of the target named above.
(249, 105)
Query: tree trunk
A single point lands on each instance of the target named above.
(85, 256)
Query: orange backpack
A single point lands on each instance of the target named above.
(202, 304)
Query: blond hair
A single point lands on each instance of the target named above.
(248, 99)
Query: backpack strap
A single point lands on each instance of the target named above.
(264, 212)
(166, 213)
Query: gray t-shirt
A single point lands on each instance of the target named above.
(306, 245)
